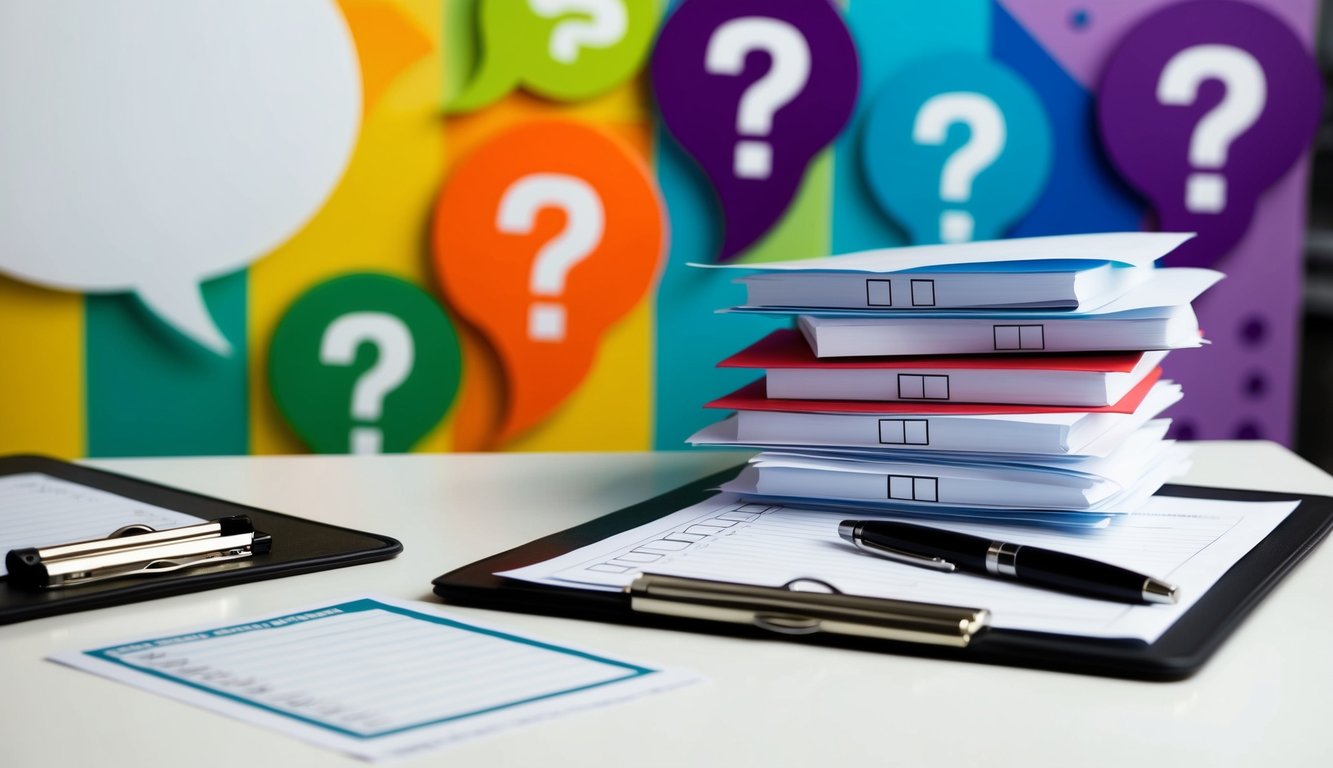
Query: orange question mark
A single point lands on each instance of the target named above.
(544, 237)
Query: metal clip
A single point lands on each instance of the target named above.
(789, 611)
(136, 550)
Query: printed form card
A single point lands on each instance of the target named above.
(374, 678)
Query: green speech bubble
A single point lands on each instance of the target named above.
(567, 50)
(364, 363)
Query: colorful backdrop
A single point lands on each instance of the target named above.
(467, 224)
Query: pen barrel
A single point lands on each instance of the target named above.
(965, 551)
(1078, 575)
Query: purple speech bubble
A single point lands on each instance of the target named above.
(753, 89)
(1202, 107)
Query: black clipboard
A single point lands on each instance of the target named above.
(299, 546)
(1177, 654)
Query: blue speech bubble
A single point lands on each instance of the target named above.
(956, 148)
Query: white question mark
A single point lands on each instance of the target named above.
(986, 126)
(785, 78)
(605, 27)
(1246, 92)
(585, 221)
(396, 353)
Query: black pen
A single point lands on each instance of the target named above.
(946, 551)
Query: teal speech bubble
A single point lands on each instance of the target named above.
(956, 148)
(567, 50)
(364, 363)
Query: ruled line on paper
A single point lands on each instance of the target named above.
(374, 677)
(38, 510)
(1191, 542)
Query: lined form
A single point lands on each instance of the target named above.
(373, 678)
(1189, 542)
(38, 510)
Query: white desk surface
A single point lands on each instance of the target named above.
(1264, 698)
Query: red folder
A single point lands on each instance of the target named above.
(751, 398)
(786, 348)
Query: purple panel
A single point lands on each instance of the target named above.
(1253, 316)
(1253, 320)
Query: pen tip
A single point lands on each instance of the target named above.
(847, 530)
(1158, 591)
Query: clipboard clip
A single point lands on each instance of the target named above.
(136, 550)
(790, 610)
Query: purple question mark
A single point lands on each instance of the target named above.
(1202, 107)
(753, 90)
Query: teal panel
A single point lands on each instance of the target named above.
(152, 392)
(690, 337)
(889, 35)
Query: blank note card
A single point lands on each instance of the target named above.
(371, 677)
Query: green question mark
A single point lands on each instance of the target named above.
(364, 363)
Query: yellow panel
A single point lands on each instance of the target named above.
(376, 220)
(41, 371)
(612, 410)
(387, 42)
(627, 102)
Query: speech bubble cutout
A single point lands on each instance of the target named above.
(567, 50)
(752, 90)
(149, 147)
(1202, 107)
(544, 236)
(364, 363)
(956, 148)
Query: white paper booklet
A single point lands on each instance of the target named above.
(1144, 463)
(1074, 433)
(1188, 542)
(1122, 464)
(373, 678)
(1155, 315)
(1070, 285)
(1162, 288)
(1163, 328)
(881, 380)
(1137, 249)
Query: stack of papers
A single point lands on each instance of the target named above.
(1011, 380)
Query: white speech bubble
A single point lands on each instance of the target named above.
(149, 146)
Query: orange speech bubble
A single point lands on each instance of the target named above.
(544, 237)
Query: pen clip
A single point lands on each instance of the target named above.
(136, 550)
(902, 556)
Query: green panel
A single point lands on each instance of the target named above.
(152, 392)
